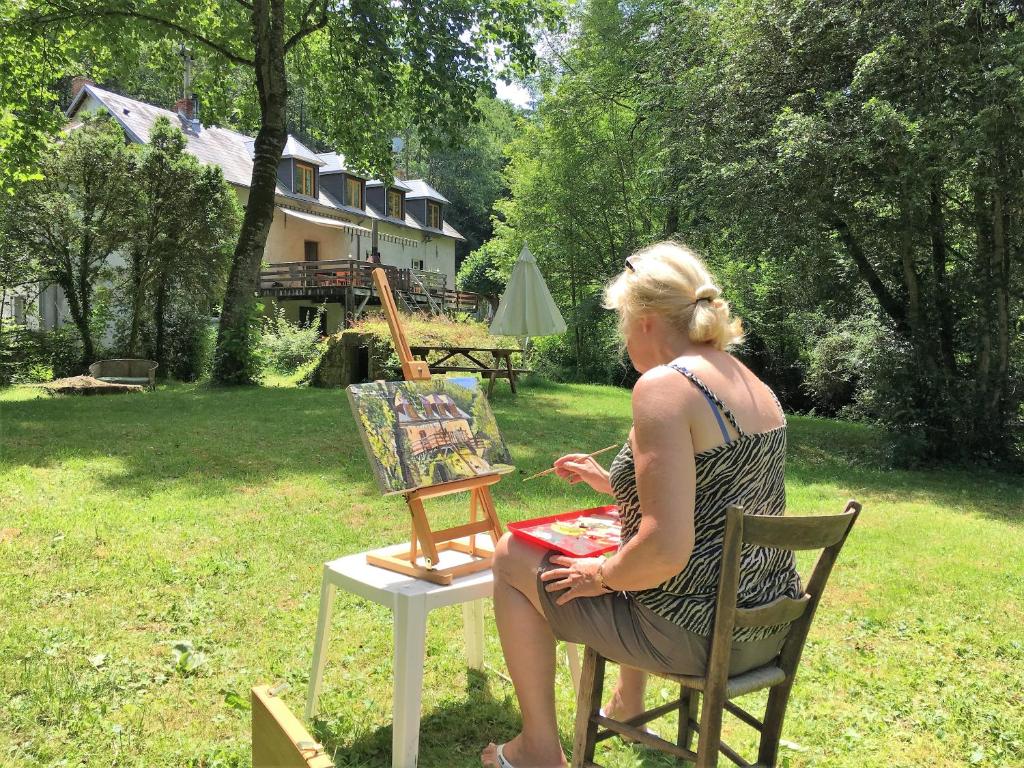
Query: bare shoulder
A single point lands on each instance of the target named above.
(663, 393)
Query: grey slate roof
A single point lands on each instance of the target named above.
(396, 184)
(296, 149)
(232, 151)
(332, 162)
(420, 188)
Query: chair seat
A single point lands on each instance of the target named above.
(753, 680)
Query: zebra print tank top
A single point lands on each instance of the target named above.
(747, 471)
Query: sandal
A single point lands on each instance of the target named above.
(502, 760)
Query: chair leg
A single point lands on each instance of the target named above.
(588, 703)
(710, 736)
(771, 730)
(689, 708)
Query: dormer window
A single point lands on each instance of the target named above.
(433, 215)
(353, 192)
(395, 204)
(305, 179)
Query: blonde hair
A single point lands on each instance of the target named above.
(669, 279)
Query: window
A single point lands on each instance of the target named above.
(353, 192)
(311, 250)
(433, 215)
(304, 179)
(417, 264)
(395, 204)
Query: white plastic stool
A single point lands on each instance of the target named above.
(410, 600)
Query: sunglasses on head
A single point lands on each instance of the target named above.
(629, 264)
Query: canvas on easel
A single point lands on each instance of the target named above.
(428, 438)
(422, 433)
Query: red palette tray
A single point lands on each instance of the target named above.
(599, 531)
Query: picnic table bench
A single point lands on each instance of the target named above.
(500, 366)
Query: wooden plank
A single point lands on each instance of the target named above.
(397, 563)
(456, 486)
(796, 533)
(781, 611)
(412, 370)
(460, 531)
(279, 740)
(423, 532)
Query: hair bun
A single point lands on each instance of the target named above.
(706, 291)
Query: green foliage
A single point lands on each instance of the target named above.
(481, 273)
(833, 161)
(72, 219)
(289, 346)
(189, 343)
(182, 231)
(238, 357)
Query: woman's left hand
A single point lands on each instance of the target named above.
(578, 576)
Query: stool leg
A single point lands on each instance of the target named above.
(689, 710)
(410, 637)
(572, 657)
(323, 636)
(588, 702)
(473, 629)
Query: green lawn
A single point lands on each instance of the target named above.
(130, 523)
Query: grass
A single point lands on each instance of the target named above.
(130, 524)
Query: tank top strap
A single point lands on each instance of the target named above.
(717, 406)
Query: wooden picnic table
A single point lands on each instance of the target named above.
(441, 359)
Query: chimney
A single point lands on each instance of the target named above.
(78, 83)
(188, 111)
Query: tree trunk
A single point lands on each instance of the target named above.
(160, 323)
(937, 232)
(235, 336)
(136, 307)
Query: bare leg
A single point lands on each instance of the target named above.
(627, 699)
(529, 649)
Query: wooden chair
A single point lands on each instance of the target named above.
(827, 533)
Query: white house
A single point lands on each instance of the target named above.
(325, 212)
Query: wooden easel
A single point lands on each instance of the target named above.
(425, 542)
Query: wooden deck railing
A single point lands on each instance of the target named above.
(329, 273)
(320, 279)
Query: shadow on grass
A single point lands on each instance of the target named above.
(450, 734)
(215, 441)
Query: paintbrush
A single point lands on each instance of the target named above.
(588, 456)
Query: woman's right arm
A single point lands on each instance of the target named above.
(582, 468)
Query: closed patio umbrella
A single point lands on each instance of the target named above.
(526, 307)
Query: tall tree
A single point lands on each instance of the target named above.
(369, 56)
(879, 145)
(185, 220)
(76, 216)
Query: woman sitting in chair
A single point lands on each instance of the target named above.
(707, 433)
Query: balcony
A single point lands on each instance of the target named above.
(343, 280)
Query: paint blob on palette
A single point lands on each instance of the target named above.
(583, 533)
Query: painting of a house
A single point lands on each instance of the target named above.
(426, 433)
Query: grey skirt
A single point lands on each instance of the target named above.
(623, 630)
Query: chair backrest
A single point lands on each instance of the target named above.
(827, 533)
(123, 367)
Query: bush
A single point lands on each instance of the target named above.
(190, 343)
(286, 346)
(837, 364)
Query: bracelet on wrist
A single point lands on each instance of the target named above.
(600, 578)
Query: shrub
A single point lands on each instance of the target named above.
(190, 342)
(287, 346)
